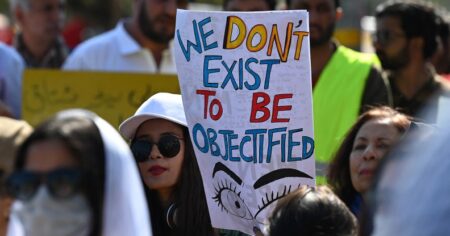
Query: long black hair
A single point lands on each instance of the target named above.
(192, 216)
(81, 136)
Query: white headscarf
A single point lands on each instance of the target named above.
(125, 210)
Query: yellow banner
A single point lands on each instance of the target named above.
(113, 96)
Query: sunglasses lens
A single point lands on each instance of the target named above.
(169, 145)
(63, 183)
(23, 185)
(141, 150)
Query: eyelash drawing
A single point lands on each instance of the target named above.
(221, 186)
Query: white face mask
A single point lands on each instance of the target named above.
(43, 215)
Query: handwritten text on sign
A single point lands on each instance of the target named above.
(245, 81)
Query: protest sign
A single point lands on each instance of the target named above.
(113, 96)
(246, 85)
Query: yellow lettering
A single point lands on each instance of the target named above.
(242, 31)
(274, 37)
(298, 48)
(257, 29)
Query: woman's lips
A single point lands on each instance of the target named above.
(366, 172)
(156, 170)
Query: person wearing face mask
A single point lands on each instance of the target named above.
(74, 175)
(368, 141)
(163, 149)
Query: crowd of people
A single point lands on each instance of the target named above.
(379, 127)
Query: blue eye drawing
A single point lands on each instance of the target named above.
(230, 201)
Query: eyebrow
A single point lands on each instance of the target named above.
(279, 174)
(221, 167)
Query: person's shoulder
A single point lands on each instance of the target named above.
(93, 52)
(95, 43)
(356, 57)
(9, 54)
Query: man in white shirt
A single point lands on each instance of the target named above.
(138, 44)
(11, 68)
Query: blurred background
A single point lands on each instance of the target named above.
(86, 18)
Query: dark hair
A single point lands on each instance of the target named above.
(337, 3)
(81, 136)
(312, 211)
(192, 216)
(444, 30)
(417, 18)
(339, 171)
(271, 3)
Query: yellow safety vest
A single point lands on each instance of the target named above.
(336, 102)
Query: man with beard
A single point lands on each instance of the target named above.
(39, 41)
(139, 44)
(345, 82)
(405, 40)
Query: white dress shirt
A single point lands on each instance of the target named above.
(116, 50)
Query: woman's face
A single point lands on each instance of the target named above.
(50, 206)
(159, 172)
(371, 143)
(48, 155)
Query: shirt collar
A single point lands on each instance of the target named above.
(54, 58)
(127, 44)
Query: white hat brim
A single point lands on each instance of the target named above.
(129, 126)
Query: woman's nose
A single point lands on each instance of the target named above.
(155, 154)
(370, 153)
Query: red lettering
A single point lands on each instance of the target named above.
(215, 102)
(277, 108)
(207, 94)
(260, 106)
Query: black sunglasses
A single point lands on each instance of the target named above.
(168, 146)
(61, 183)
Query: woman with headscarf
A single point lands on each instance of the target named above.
(76, 176)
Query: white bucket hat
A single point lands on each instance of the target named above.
(165, 106)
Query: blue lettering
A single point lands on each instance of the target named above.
(257, 83)
(292, 144)
(187, 50)
(207, 34)
(272, 143)
(207, 71)
(199, 128)
(269, 63)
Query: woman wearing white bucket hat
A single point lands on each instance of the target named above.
(162, 148)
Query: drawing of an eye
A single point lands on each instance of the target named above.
(230, 201)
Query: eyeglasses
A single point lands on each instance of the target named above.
(61, 183)
(168, 146)
(384, 37)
